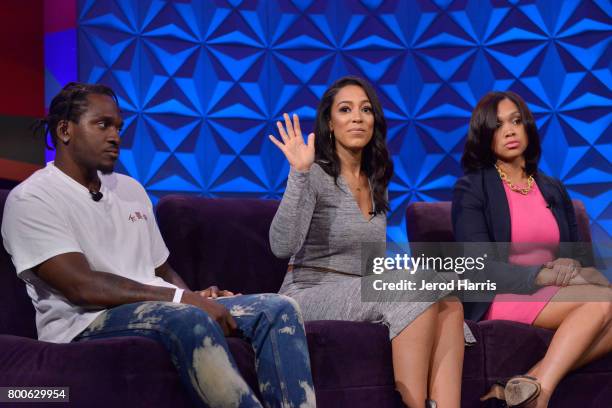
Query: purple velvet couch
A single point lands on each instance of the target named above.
(225, 242)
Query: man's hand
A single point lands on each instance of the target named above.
(214, 292)
(215, 310)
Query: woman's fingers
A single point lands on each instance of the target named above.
(311, 140)
(565, 269)
(282, 132)
(214, 292)
(210, 292)
(564, 275)
(296, 126)
(298, 153)
(558, 275)
(568, 275)
(277, 143)
(575, 269)
(289, 125)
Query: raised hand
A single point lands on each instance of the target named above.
(300, 155)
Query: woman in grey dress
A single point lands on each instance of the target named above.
(335, 201)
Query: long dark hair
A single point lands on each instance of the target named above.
(375, 161)
(478, 152)
(69, 104)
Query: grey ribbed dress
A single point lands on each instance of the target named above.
(320, 226)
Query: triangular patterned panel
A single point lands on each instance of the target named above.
(233, 70)
(237, 140)
(236, 67)
(446, 69)
(172, 107)
(518, 63)
(155, 7)
(256, 165)
(587, 56)
(592, 130)
(110, 52)
(172, 137)
(109, 21)
(190, 163)
(303, 70)
(253, 20)
(170, 60)
(175, 183)
(239, 184)
(172, 31)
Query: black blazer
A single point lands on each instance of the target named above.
(480, 213)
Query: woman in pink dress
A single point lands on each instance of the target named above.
(503, 197)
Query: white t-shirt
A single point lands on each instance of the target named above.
(51, 214)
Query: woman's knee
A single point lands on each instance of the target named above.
(452, 303)
(431, 313)
(605, 308)
(599, 301)
(601, 311)
(451, 308)
(609, 315)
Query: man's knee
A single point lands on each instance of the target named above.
(285, 304)
(289, 303)
(281, 307)
(167, 314)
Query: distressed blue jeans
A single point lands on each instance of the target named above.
(271, 323)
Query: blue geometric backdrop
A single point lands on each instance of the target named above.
(201, 84)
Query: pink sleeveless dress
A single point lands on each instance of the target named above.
(534, 224)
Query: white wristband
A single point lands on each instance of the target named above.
(178, 295)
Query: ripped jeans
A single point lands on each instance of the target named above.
(271, 323)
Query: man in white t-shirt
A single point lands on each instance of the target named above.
(85, 241)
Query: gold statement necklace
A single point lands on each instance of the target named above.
(522, 190)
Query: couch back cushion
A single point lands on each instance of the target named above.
(222, 242)
(431, 222)
(16, 309)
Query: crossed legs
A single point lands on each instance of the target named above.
(583, 334)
